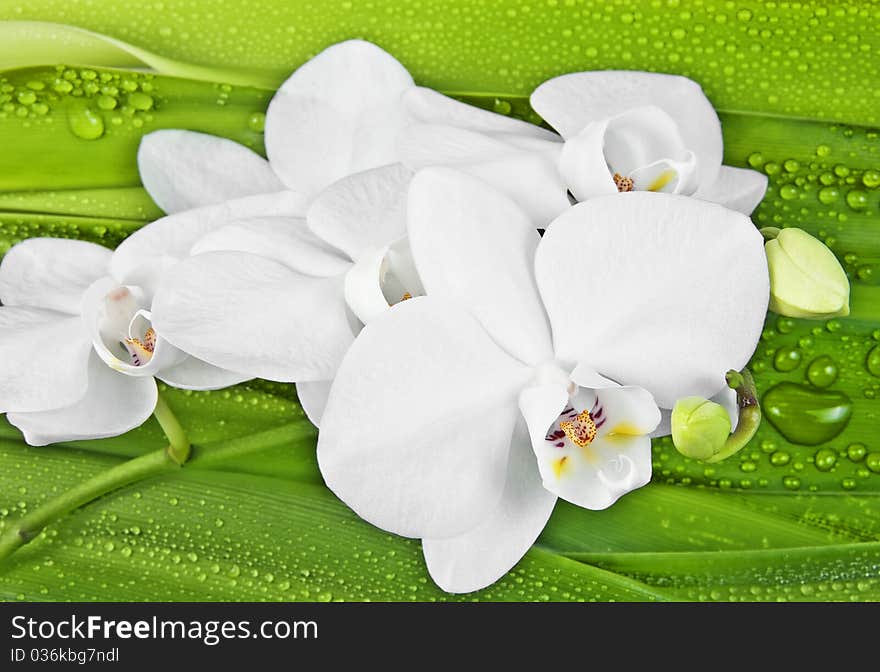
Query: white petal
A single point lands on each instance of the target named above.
(338, 114)
(362, 211)
(113, 404)
(182, 170)
(43, 359)
(284, 239)
(522, 167)
(474, 246)
(416, 434)
(481, 556)
(570, 102)
(363, 286)
(660, 291)
(739, 189)
(313, 397)
(143, 257)
(194, 374)
(540, 406)
(583, 164)
(51, 273)
(428, 106)
(250, 314)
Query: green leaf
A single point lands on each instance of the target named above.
(797, 86)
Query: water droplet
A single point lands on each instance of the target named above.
(85, 124)
(787, 359)
(791, 482)
(848, 483)
(140, 101)
(825, 459)
(780, 458)
(257, 122)
(756, 159)
(840, 170)
(784, 325)
(873, 361)
(788, 192)
(804, 415)
(26, 97)
(856, 451)
(872, 461)
(791, 165)
(871, 178)
(823, 150)
(822, 371)
(857, 199)
(829, 195)
(107, 102)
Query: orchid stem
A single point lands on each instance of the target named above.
(114, 478)
(179, 447)
(140, 468)
(749, 414)
(170, 458)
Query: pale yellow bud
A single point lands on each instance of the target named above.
(806, 280)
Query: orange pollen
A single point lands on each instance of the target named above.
(623, 183)
(581, 431)
(406, 296)
(149, 342)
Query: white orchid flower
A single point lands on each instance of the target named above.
(461, 416)
(641, 131)
(346, 111)
(256, 287)
(78, 352)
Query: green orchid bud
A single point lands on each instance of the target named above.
(699, 427)
(806, 280)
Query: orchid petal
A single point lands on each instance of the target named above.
(51, 273)
(583, 164)
(570, 102)
(739, 189)
(313, 397)
(474, 246)
(182, 170)
(113, 404)
(655, 290)
(194, 374)
(363, 286)
(417, 430)
(283, 239)
(338, 114)
(524, 168)
(428, 106)
(43, 359)
(143, 257)
(481, 556)
(254, 315)
(362, 211)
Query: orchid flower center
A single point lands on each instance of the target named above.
(141, 349)
(125, 337)
(574, 430)
(382, 278)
